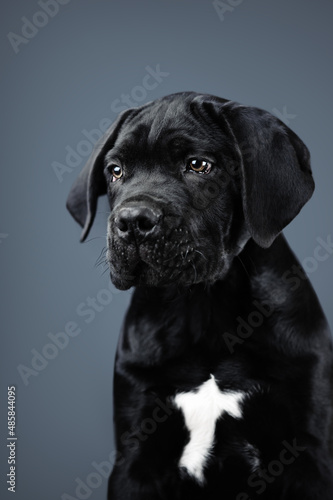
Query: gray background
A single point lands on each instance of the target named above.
(275, 54)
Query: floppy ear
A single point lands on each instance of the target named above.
(275, 170)
(90, 184)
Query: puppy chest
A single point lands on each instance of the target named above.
(201, 409)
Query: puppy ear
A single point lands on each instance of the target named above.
(91, 183)
(275, 170)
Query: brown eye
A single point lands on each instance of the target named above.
(200, 166)
(115, 171)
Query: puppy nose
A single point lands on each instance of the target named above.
(137, 220)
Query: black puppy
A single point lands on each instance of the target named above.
(223, 376)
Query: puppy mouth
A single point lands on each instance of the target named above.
(157, 262)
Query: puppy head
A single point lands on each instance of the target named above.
(190, 178)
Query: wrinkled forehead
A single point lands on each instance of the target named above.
(164, 126)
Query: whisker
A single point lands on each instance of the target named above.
(244, 267)
(103, 262)
(195, 271)
(105, 270)
(101, 258)
(94, 238)
(200, 253)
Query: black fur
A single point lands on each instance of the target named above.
(218, 291)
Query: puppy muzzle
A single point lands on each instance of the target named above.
(146, 246)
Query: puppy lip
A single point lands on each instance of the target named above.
(159, 261)
(120, 282)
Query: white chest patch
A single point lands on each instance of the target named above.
(201, 409)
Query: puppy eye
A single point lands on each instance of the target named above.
(115, 171)
(199, 166)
